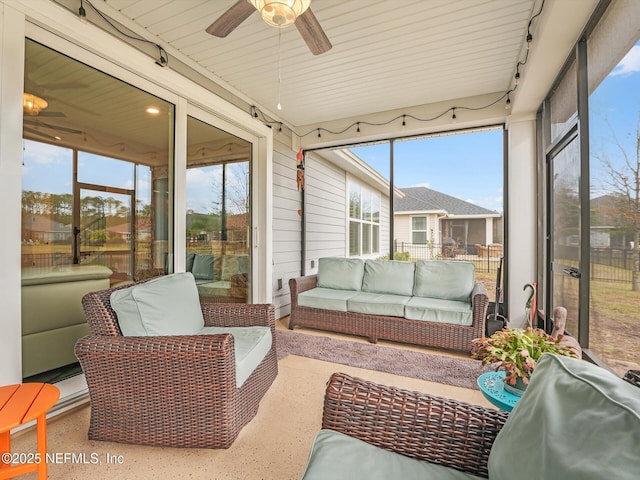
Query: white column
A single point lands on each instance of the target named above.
(522, 214)
(489, 231)
(11, 85)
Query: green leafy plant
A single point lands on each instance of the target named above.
(517, 351)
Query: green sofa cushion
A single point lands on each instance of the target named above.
(388, 276)
(167, 305)
(202, 268)
(213, 289)
(190, 259)
(232, 265)
(336, 456)
(438, 310)
(63, 274)
(327, 298)
(250, 344)
(445, 280)
(576, 421)
(378, 304)
(340, 273)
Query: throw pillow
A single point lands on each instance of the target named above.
(203, 267)
(576, 421)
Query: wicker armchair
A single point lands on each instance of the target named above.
(421, 426)
(177, 391)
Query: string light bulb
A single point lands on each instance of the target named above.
(82, 13)
(404, 122)
(454, 119)
(529, 40)
(507, 104)
(516, 80)
(358, 128)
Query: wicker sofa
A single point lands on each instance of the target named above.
(432, 303)
(575, 421)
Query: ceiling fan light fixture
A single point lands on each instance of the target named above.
(280, 13)
(33, 104)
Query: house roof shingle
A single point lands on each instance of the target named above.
(419, 199)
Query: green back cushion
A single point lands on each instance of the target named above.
(203, 267)
(233, 264)
(167, 305)
(340, 273)
(445, 280)
(388, 276)
(576, 421)
(190, 258)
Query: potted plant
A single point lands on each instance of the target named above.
(516, 351)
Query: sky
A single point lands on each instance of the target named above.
(469, 166)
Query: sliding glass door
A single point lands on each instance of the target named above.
(218, 216)
(565, 214)
(96, 181)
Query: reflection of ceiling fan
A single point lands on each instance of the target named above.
(33, 105)
(278, 13)
(39, 125)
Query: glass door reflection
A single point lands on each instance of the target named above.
(218, 216)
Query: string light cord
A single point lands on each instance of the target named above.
(257, 113)
(163, 61)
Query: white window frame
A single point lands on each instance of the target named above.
(364, 190)
(425, 231)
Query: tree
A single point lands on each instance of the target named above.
(624, 182)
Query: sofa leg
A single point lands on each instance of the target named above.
(373, 339)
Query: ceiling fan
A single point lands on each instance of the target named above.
(277, 13)
(30, 124)
(35, 106)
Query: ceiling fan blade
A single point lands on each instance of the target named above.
(312, 33)
(230, 19)
(64, 85)
(51, 114)
(52, 127)
(39, 133)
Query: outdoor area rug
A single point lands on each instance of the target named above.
(460, 372)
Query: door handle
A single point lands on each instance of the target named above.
(572, 272)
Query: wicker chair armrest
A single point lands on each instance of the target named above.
(301, 284)
(438, 430)
(479, 304)
(160, 347)
(479, 293)
(119, 362)
(239, 315)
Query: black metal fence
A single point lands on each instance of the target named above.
(612, 264)
(485, 258)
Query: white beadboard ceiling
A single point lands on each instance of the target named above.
(386, 55)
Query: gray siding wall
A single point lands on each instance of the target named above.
(287, 226)
(325, 198)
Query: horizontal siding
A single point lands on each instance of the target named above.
(402, 229)
(287, 226)
(325, 210)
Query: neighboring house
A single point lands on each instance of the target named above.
(423, 216)
(123, 230)
(42, 229)
(606, 230)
